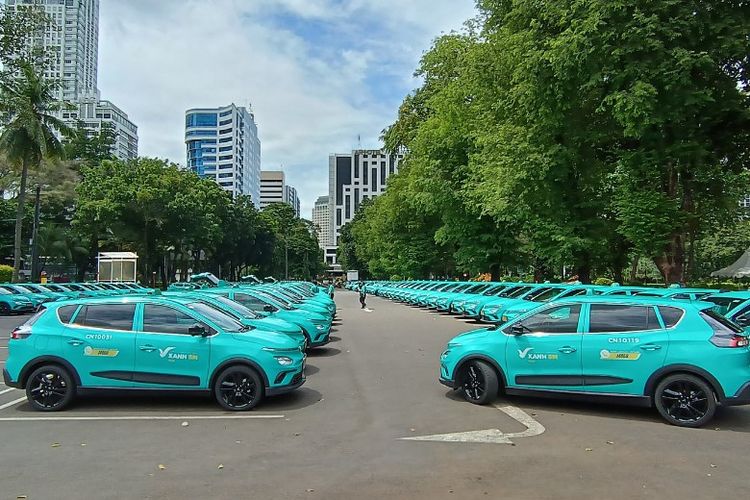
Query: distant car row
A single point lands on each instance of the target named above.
(240, 343)
(20, 298)
(672, 348)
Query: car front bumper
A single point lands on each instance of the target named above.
(447, 382)
(296, 382)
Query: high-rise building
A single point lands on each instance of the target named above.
(222, 144)
(274, 189)
(321, 218)
(272, 184)
(291, 198)
(72, 40)
(353, 178)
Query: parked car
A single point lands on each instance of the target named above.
(679, 356)
(14, 303)
(148, 342)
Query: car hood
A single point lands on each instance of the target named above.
(472, 336)
(276, 325)
(266, 338)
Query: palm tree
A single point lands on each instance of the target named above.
(27, 104)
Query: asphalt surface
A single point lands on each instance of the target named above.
(339, 435)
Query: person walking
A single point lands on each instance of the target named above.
(362, 294)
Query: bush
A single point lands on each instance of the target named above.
(6, 273)
(396, 277)
(603, 281)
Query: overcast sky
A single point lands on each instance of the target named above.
(318, 73)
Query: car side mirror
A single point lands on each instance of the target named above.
(198, 331)
(517, 329)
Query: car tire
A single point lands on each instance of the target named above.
(685, 400)
(4, 309)
(50, 388)
(238, 388)
(479, 382)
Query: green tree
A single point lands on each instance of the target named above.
(27, 104)
(92, 147)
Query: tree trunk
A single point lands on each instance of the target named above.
(634, 268)
(671, 263)
(19, 220)
(35, 237)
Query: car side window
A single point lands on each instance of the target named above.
(573, 293)
(164, 319)
(106, 316)
(65, 313)
(681, 296)
(671, 315)
(558, 320)
(616, 318)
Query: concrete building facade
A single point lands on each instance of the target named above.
(72, 40)
(222, 144)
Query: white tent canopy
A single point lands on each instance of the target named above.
(739, 269)
(117, 266)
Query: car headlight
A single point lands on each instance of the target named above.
(283, 360)
(445, 354)
(320, 328)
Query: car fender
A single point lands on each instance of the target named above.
(238, 361)
(683, 368)
(43, 360)
(481, 357)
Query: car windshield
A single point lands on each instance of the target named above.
(236, 306)
(515, 292)
(284, 303)
(724, 304)
(24, 289)
(274, 301)
(42, 288)
(222, 319)
(494, 291)
(11, 290)
(544, 294)
(4, 291)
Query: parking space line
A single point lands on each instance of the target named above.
(13, 403)
(6, 391)
(138, 417)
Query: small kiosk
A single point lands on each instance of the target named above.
(116, 267)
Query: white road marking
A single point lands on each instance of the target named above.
(490, 436)
(6, 391)
(13, 403)
(141, 417)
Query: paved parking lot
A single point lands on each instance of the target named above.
(340, 436)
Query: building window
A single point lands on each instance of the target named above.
(338, 216)
(201, 120)
(375, 179)
(348, 206)
(356, 200)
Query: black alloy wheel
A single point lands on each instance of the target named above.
(4, 308)
(238, 388)
(685, 400)
(479, 382)
(50, 388)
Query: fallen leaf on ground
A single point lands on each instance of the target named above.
(589, 449)
(221, 466)
(162, 466)
(610, 442)
(55, 445)
(185, 424)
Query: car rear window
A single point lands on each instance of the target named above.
(671, 315)
(719, 323)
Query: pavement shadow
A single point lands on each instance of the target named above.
(311, 369)
(323, 352)
(333, 339)
(296, 400)
(726, 418)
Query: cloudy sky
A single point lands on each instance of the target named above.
(318, 73)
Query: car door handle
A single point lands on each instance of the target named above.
(567, 349)
(75, 342)
(650, 347)
(147, 348)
